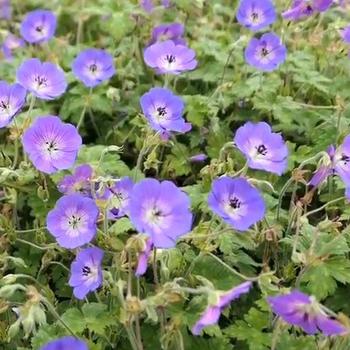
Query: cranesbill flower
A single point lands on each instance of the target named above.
(5, 9)
(38, 26)
(51, 144)
(305, 8)
(12, 99)
(65, 343)
(256, 14)
(169, 31)
(237, 202)
(201, 157)
(160, 210)
(326, 168)
(224, 298)
(266, 53)
(11, 43)
(143, 256)
(79, 182)
(336, 162)
(164, 111)
(118, 197)
(345, 33)
(263, 148)
(168, 58)
(86, 272)
(73, 221)
(93, 66)
(45, 80)
(302, 310)
(148, 5)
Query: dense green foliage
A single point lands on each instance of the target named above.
(304, 241)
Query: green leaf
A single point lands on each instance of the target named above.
(75, 320)
(97, 317)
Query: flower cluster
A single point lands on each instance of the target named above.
(158, 209)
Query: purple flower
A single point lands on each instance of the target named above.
(11, 43)
(164, 111)
(38, 26)
(118, 197)
(12, 99)
(168, 58)
(213, 311)
(266, 53)
(263, 148)
(143, 258)
(325, 169)
(256, 14)
(5, 9)
(93, 66)
(148, 5)
(65, 343)
(305, 8)
(345, 34)
(160, 210)
(169, 31)
(86, 272)
(73, 221)
(337, 162)
(201, 157)
(45, 80)
(51, 144)
(79, 182)
(301, 310)
(236, 202)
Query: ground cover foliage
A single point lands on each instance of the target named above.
(205, 277)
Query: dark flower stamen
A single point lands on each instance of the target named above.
(235, 203)
(170, 58)
(345, 159)
(51, 146)
(255, 16)
(41, 80)
(157, 213)
(74, 221)
(161, 111)
(4, 105)
(93, 68)
(39, 29)
(86, 271)
(261, 150)
(264, 52)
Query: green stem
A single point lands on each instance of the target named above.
(80, 25)
(138, 332)
(15, 157)
(297, 231)
(280, 197)
(154, 266)
(235, 272)
(36, 246)
(53, 311)
(324, 206)
(130, 271)
(31, 230)
(132, 338)
(82, 116)
(31, 278)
